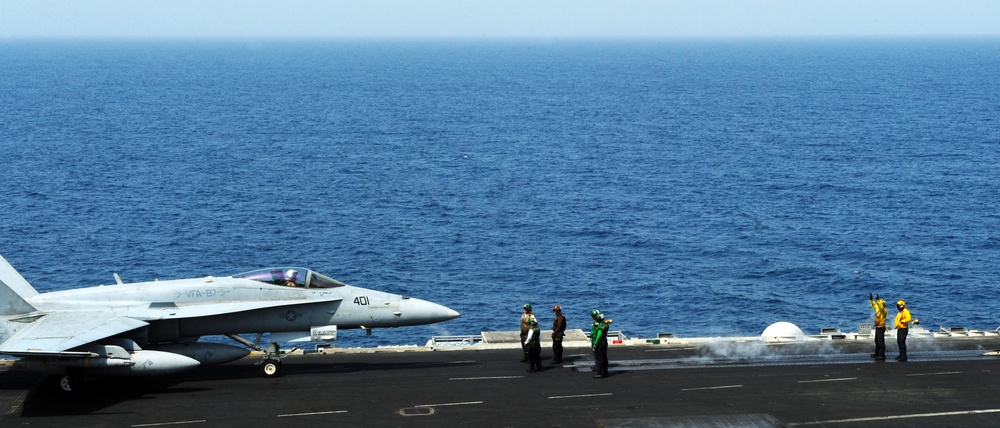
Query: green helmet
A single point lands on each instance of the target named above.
(527, 306)
(595, 314)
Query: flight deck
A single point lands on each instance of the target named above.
(728, 382)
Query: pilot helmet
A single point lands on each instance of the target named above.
(290, 274)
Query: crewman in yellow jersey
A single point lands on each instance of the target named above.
(878, 303)
(903, 319)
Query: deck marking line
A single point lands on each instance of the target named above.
(828, 380)
(933, 374)
(160, 424)
(886, 418)
(671, 349)
(312, 413)
(711, 387)
(485, 377)
(15, 406)
(557, 397)
(464, 403)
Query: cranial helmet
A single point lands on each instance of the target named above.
(527, 306)
(557, 308)
(901, 304)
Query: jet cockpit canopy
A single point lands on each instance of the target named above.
(291, 277)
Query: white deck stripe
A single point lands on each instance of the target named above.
(933, 374)
(15, 405)
(160, 424)
(312, 413)
(464, 403)
(486, 377)
(712, 387)
(557, 397)
(669, 349)
(828, 380)
(886, 418)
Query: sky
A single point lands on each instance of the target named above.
(472, 19)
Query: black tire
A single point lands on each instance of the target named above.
(271, 368)
(70, 383)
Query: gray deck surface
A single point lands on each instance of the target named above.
(825, 386)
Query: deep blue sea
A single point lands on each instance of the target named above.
(692, 187)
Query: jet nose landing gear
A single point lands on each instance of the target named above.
(270, 361)
(270, 368)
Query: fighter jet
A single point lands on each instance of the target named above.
(152, 328)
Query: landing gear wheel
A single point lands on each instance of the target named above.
(271, 368)
(69, 383)
(66, 384)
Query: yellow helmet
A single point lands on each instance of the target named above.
(901, 304)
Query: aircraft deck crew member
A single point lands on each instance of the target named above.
(533, 343)
(599, 342)
(903, 319)
(558, 332)
(526, 317)
(878, 304)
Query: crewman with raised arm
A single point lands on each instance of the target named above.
(878, 303)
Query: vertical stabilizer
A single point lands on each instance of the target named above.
(14, 289)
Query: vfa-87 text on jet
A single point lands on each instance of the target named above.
(151, 328)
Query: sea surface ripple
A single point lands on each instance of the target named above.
(696, 187)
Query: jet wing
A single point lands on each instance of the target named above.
(54, 333)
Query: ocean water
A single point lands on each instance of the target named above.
(692, 187)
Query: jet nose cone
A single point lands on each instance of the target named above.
(450, 313)
(424, 312)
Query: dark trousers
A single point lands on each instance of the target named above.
(601, 358)
(524, 348)
(901, 341)
(557, 349)
(535, 356)
(880, 342)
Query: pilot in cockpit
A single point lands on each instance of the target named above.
(290, 278)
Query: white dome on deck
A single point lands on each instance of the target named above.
(782, 329)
